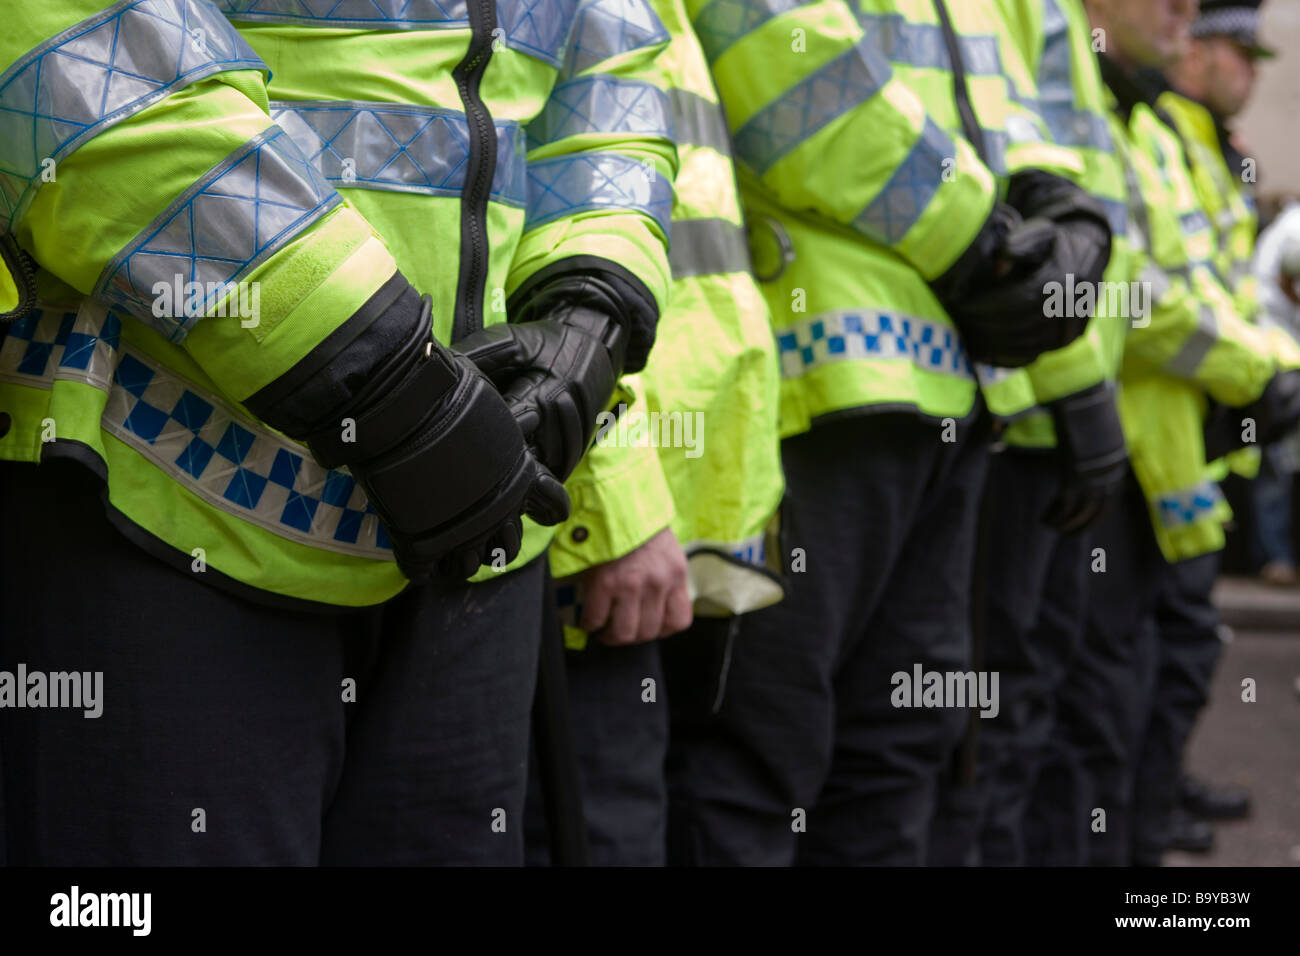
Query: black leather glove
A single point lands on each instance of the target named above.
(431, 442)
(996, 292)
(557, 368)
(1091, 451)
(1275, 412)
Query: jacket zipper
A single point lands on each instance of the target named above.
(479, 172)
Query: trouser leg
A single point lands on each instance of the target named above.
(1187, 625)
(619, 707)
(878, 800)
(437, 746)
(754, 701)
(1101, 704)
(221, 733)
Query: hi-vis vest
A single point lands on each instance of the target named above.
(172, 182)
(1194, 344)
(704, 425)
(857, 190)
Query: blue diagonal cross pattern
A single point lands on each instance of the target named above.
(721, 23)
(99, 72)
(601, 104)
(233, 218)
(902, 200)
(595, 181)
(606, 28)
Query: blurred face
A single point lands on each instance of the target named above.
(1229, 75)
(1146, 33)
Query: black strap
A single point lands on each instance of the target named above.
(969, 124)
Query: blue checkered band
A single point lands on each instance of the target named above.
(596, 182)
(720, 23)
(229, 460)
(97, 73)
(1182, 508)
(606, 28)
(601, 104)
(851, 78)
(409, 149)
(902, 200)
(857, 335)
(908, 43)
(535, 27)
(233, 218)
(1241, 23)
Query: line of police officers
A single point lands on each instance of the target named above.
(309, 548)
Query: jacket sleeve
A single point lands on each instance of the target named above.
(1193, 330)
(601, 159)
(803, 91)
(140, 166)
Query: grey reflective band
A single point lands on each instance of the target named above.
(1157, 278)
(1193, 222)
(1187, 360)
(601, 104)
(606, 28)
(594, 182)
(231, 461)
(699, 122)
(850, 79)
(720, 23)
(535, 27)
(1182, 508)
(410, 149)
(76, 84)
(876, 335)
(902, 200)
(703, 247)
(234, 217)
(908, 43)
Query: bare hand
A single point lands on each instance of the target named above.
(640, 596)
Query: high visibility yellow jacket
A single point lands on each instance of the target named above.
(143, 150)
(704, 424)
(1193, 344)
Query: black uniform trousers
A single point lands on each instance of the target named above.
(225, 737)
(1081, 812)
(619, 710)
(785, 745)
(1036, 584)
(1187, 626)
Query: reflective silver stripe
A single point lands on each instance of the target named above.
(535, 27)
(1192, 352)
(409, 149)
(852, 78)
(596, 182)
(897, 207)
(707, 247)
(97, 73)
(234, 217)
(53, 344)
(720, 23)
(855, 335)
(1186, 507)
(606, 28)
(1158, 279)
(601, 104)
(1193, 222)
(908, 43)
(699, 122)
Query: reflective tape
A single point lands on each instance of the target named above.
(76, 84)
(922, 45)
(590, 182)
(857, 335)
(606, 28)
(720, 23)
(1186, 507)
(1194, 222)
(535, 27)
(899, 204)
(851, 78)
(601, 104)
(1197, 345)
(49, 345)
(698, 121)
(234, 217)
(707, 247)
(409, 149)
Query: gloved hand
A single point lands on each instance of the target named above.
(431, 442)
(557, 369)
(1094, 460)
(996, 292)
(1275, 412)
